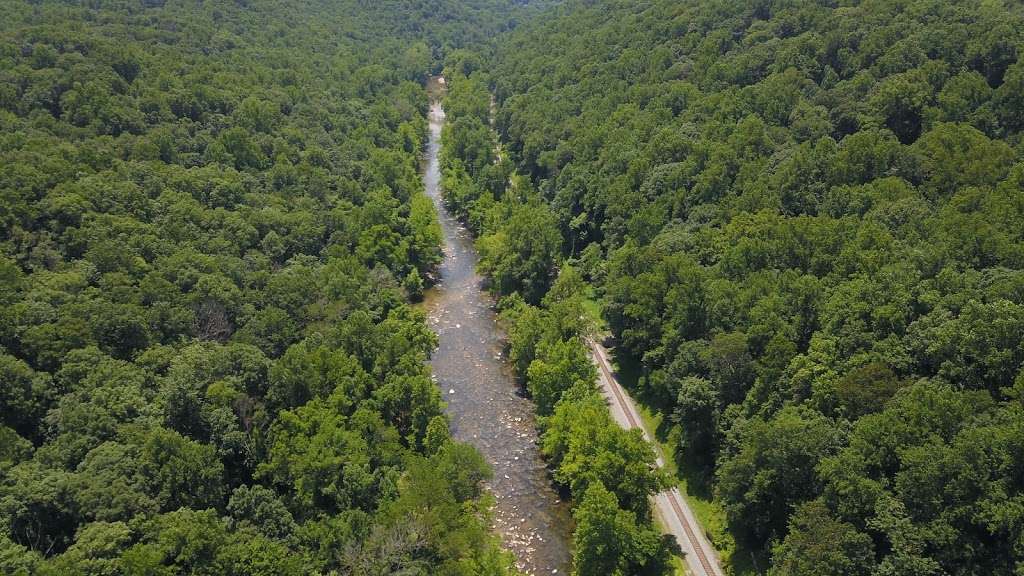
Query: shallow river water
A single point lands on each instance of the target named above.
(477, 383)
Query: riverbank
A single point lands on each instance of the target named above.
(609, 471)
(481, 393)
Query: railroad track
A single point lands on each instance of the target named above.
(704, 561)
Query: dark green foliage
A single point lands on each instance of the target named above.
(773, 470)
(698, 412)
(818, 544)
(938, 466)
(803, 221)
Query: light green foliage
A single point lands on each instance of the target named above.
(326, 462)
(609, 540)
(587, 446)
(211, 216)
(109, 484)
(260, 508)
(520, 256)
(559, 366)
(198, 542)
(97, 550)
(437, 509)
(518, 241)
(181, 473)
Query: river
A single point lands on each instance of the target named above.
(481, 393)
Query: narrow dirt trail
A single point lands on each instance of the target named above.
(478, 385)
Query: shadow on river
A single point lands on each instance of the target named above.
(479, 387)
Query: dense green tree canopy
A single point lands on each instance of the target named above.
(803, 223)
(211, 219)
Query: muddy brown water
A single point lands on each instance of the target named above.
(478, 385)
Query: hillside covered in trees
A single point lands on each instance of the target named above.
(804, 223)
(801, 221)
(211, 225)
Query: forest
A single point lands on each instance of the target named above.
(803, 224)
(212, 228)
(799, 223)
